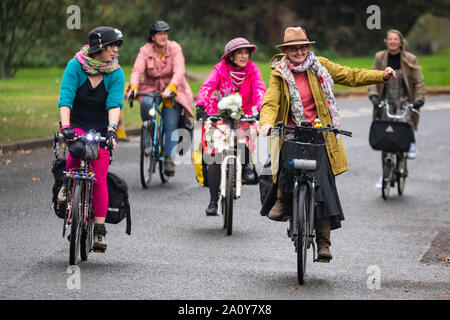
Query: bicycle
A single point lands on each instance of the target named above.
(152, 146)
(392, 136)
(230, 169)
(302, 151)
(79, 184)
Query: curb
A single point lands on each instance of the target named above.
(45, 143)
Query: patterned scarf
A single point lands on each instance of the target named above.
(286, 69)
(92, 66)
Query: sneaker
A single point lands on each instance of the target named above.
(100, 242)
(62, 194)
(412, 150)
(379, 183)
(212, 209)
(169, 166)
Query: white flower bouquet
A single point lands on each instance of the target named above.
(230, 106)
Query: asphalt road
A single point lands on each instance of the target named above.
(176, 252)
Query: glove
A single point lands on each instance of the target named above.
(111, 135)
(375, 101)
(200, 112)
(132, 93)
(68, 133)
(418, 104)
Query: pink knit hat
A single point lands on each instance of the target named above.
(235, 44)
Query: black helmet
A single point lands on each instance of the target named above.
(159, 26)
(100, 37)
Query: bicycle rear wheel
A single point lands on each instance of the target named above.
(76, 221)
(147, 157)
(301, 242)
(229, 188)
(402, 173)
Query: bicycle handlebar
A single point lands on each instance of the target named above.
(148, 94)
(329, 128)
(243, 118)
(385, 105)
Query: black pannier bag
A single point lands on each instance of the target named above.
(118, 205)
(390, 136)
(59, 166)
(265, 180)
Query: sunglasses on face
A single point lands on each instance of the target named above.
(298, 48)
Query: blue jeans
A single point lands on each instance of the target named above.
(171, 118)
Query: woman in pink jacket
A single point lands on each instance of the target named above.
(160, 66)
(235, 73)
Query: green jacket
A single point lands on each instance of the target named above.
(275, 106)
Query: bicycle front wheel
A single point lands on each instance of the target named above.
(301, 241)
(147, 157)
(76, 221)
(86, 230)
(162, 151)
(387, 177)
(229, 188)
(402, 173)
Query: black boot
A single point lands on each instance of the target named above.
(212, 209)
(100, 242)
(248, 174)
(169, 166)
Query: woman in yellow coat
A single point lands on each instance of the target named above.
(301, 89)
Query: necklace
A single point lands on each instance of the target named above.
(237, 77)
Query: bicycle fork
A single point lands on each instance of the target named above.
(238, 168)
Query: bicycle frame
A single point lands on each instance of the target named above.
(390, 160)
(230, 154)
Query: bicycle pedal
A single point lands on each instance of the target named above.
(322, 260)
(99, 250)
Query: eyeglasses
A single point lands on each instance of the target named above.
(297, 48)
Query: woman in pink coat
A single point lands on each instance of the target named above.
(160, 66)
(235, 73)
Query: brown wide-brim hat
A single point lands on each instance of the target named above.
(295, 36)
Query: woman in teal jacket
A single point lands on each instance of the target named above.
(91, 98)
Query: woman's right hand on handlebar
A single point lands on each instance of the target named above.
(200, 112)
(68, 133)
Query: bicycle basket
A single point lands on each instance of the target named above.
(303, 149)
(390, 136)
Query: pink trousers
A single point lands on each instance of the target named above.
(100, 167)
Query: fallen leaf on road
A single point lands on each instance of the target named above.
(406, 291)
(30, 192)
(36, 179)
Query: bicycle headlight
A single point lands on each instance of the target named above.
(152, 112)
(89, 137)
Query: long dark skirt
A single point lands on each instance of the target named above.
(326, 196)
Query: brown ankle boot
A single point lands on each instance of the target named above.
(322, 227)
(280, 209)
